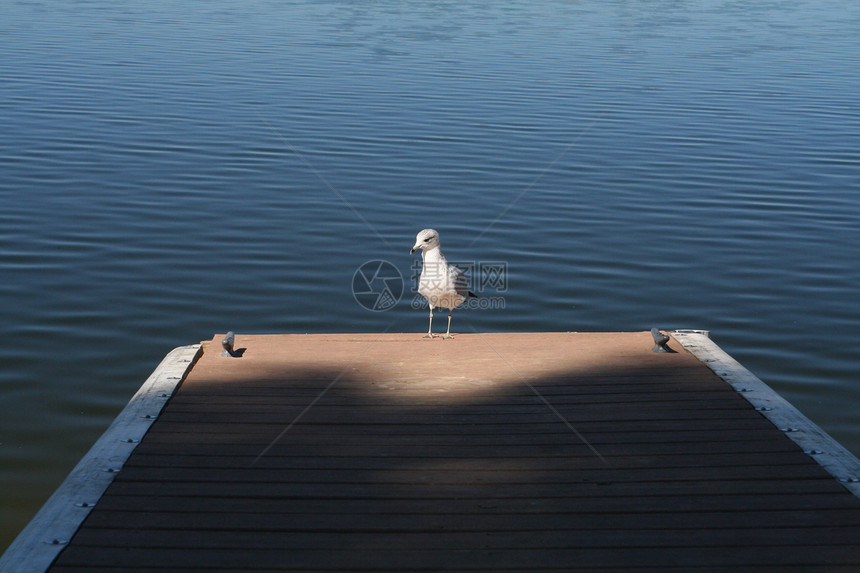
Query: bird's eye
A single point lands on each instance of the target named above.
(427, 240)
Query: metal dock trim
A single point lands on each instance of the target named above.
(38, 545)
(815, 442)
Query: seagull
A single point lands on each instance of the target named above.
(442, 284)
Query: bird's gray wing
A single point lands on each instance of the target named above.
(458, 279)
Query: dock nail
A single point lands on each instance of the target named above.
(660, 340)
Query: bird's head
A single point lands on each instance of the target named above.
(426, 239)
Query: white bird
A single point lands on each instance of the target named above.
(442, 284)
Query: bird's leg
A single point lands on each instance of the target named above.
(448, 333)
(430, 328)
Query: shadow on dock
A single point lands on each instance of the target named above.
(345, 453)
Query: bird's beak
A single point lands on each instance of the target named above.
(413, 249)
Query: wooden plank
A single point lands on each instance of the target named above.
(173, 434)
(383, 487)
(517, 452)
(538, 472)
(536, 414)
(302, 385)
(124, 497)
(485, 515)
(279, 404)
(823, 524)
(478, 557)
(194, 432)
(716, 486)
(441, 537)
(706, 440)
(580, 416)
(492, 460)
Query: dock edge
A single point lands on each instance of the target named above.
(843, 465)
(47, 534)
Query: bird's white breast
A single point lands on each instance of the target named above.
(439, 281)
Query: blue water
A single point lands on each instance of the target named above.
(172, 170)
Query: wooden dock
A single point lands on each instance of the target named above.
(489, 452)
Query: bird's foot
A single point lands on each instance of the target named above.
(447, 335)
(430, 335)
